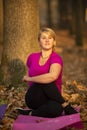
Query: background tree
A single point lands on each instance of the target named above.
(77, 21)
(21, 25)
(49, 12)
(1, 27)
(63, 11)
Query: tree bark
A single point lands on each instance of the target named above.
(21, 25)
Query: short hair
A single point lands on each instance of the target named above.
(48, 31)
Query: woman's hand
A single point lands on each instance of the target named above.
(25, 78)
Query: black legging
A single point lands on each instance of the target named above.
(45, 100)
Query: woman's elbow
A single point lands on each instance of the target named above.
(54, 77)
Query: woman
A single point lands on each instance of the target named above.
(45, 80)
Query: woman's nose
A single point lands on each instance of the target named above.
(47, 39)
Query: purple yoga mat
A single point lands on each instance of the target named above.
(2, 110)
(31, 122)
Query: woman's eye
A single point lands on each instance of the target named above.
(46, 38)
(43, 38)
(50, 37)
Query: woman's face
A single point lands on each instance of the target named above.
(46, 41)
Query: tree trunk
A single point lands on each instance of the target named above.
(49, 13)
(1, 28)
(21, 25)
(1, 21)
(54, 13)
(78, 21)
(63, 10)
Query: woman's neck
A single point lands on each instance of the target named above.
(45, 53)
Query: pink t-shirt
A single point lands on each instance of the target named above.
(36, 69)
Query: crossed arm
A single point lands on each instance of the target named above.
(46, 78)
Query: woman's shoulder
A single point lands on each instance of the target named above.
(56, 58)
(33, 54)
(32, 57)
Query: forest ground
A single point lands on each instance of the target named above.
(74, 81)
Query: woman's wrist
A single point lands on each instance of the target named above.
(26, 79)
(29, 79)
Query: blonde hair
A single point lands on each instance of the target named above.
(49, 32)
